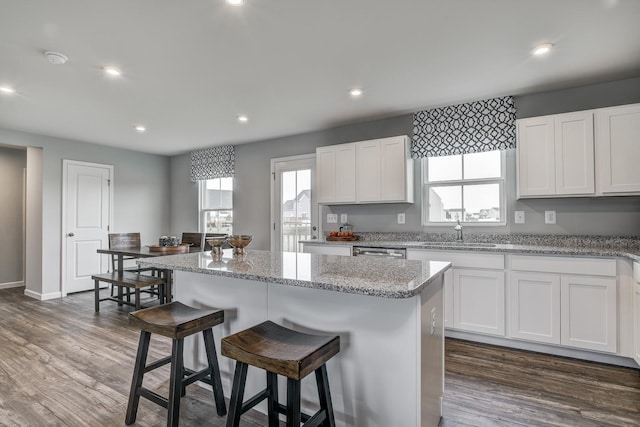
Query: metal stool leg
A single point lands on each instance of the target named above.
(138, 374)
(324, 394)
(272, 401)
(237, 394)
(214, 371)
(175, 383)
(293, 403)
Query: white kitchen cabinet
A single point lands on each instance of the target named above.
(636, 312)
(326, 249)
(556, 155)
(618, 149)
(385, 170)
(535, 307)
(471, 275)
(479, 301)
(589, 315)
(336, 173)
(375, 171)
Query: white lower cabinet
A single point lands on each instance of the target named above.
(636, 310)
(535, 307)
(564, 300)
(448, 299)
(478, 301)
(326, 249)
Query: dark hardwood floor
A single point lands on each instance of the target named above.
(61, 364)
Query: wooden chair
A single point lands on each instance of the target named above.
(207, 246)
(195, 239)
(128, 241)
(281, 351)
(128, 280)
(176, 321)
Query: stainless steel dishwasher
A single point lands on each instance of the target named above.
(380, 252)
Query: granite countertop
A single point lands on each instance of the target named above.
(580, 247)
(388, 278)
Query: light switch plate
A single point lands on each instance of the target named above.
(549, 217)
(519, 217)
(401, 218)
(343, 218)
(332, 218)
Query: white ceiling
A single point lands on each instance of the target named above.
(190, 67)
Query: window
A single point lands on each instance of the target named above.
(216, 205)
(467, 187)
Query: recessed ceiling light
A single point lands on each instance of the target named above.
(112, 71)
(7, 89)
(541, 49)
(355, 92)
(235, 2)
(243, 119)
(140, 128)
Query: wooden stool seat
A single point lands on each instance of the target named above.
(125, 279)
(176, 321)
(281, 351)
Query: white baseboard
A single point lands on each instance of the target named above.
(11, 285)
(42, 297)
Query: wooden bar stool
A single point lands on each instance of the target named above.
(280, 351)
(176, 321)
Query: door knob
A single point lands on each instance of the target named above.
(70, 234)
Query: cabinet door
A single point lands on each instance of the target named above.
(325, 174)
(535, 307)
(618, 149)
(588, 307)
(574, 153)
(636, 310)
(369, 171)
(346, 173)
(394, 169)
(448, 298)
(536, 157)
(478, 301)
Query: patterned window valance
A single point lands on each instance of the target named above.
(214, 162)
(466, 128)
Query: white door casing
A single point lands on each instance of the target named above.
(87, 200)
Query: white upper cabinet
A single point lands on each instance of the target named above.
(618, 148)
(556, 155)
(336, 173)
(375, 171)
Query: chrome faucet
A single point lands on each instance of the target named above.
(458, 229)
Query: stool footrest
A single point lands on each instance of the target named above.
(282, 409)
(254, 400)
(154, 397)
(160, 362)
(194, 376)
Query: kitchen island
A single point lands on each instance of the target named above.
(388, 314)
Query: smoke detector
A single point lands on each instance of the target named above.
(56, 57)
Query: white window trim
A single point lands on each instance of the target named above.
(503, 195)
(201, 210)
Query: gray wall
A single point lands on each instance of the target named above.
(141, 193)
(595, 216)
(12, 165)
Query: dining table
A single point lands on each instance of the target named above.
(144, 252)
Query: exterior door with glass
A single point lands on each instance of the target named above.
(293, 205)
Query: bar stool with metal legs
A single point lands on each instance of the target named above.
(280, 351)
(176, 321)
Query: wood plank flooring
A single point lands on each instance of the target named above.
(61, 364)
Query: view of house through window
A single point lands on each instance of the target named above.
(296, 208)
(466, 187)
(216, 205)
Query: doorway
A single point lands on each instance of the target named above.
(87, 199)
(293, 206)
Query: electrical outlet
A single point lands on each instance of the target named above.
(332, 218)
(401, 218)
(433, 320)
(343, 218)
(519, 217)
(549, 217)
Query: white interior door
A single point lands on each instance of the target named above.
(86, 218)
(293, 204)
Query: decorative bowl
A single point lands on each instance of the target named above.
(239, 242)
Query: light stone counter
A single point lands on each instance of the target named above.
(388, 278)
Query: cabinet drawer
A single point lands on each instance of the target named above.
(565, 265)
(636, 272)
(460, 259)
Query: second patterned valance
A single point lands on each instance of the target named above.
(465, 128)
